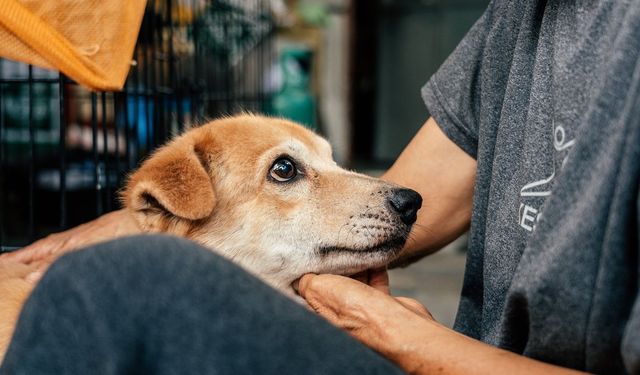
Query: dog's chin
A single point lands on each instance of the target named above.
(390, 247)
(344, 260)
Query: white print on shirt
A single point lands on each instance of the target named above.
(529, 215)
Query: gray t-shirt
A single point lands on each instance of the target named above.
(546, 96)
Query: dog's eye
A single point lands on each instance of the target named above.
(283, 170)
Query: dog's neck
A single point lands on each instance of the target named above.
(276, 273)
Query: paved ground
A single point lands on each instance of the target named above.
(435, 281)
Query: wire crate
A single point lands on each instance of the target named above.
(65, 151)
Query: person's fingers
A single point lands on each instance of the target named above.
(379, 279)
(15, 269)
(35, 276)
(312, 285)
(111, 225)
(24, 255)
(350, 305)
(317, 291)
(301, 286)
(362, 276)
(329, 292)
(335, 292)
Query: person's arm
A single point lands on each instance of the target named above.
(403, 331)
(444, 175)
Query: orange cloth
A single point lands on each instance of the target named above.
(91, 41)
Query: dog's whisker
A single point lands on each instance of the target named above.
(340, 231)
(367, 215)
(349, 233)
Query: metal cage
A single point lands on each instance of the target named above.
(65, 151)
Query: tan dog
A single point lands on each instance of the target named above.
(262, 192)
(267, 194)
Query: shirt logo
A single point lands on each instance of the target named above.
(529, 213)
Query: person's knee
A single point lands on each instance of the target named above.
(141, 265)
(139, 255)
(140, 248)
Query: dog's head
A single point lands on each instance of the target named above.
(267, 194)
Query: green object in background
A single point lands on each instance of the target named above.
(294, 100)
(313, 13)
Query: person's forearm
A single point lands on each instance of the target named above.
(427, 347)
(404, 331)
(444, 175)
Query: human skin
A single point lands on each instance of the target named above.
(398, 328)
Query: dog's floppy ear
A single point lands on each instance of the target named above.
(174, 181)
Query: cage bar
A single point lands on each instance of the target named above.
(2, 161)
(96, 160)
(31, 157)
(58, 170)
(62, 166)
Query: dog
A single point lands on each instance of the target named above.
(267, 194)
(262, 192)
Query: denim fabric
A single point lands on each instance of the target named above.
(164, 305)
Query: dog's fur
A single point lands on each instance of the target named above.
(214, 185)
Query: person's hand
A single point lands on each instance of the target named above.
(42, 253)
(379, 279)
(363, 307)
(403, 330)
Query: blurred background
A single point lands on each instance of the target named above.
(350, 69)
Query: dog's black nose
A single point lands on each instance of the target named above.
(406, 203)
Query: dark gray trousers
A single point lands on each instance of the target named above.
(164, 305)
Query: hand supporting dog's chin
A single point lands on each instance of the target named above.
(350, 261)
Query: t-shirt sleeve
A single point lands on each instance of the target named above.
(453, 94)
(631, 338)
